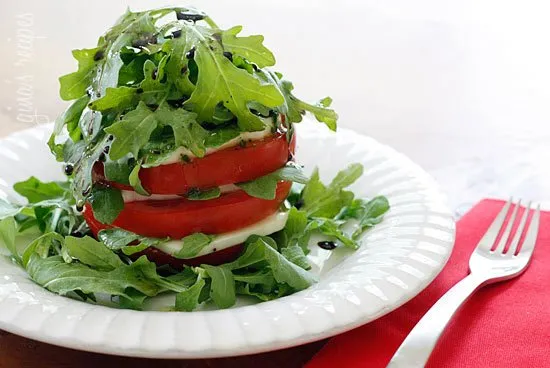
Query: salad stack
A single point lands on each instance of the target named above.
(178, 148)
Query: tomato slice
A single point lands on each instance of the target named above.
(232, 165)
(178, 218)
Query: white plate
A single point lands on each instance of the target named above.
(398, 259)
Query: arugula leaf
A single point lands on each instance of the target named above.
(36, 191)
(92, 253)
(41, 246)
(369, 213)
(251, 47)
(61, 278)
(70, 117)
(159, 152)
(187, 131)
(118, 171)
(117, 238)
(133, 249)
(177, 68)
(297, 107)
(331, 228)
(135, 181)
(8, 231)
(131, 73)
(221, 81)
(222, 290)
(295, 224)
(107, 203)
(265, 187)
(248, 289)
(74, 85)
(261, 277)
(327, 201)
(193, 244)
(188, 300)
(203, 195)
(153, 89)
(294, 232)
(115, 98)
(8, 209)
(84, 156)
(346, 177)
(132, 300)
(217, 137)
(296, 255)
(283, 270)
(132, 132)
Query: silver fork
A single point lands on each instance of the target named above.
(486, 267)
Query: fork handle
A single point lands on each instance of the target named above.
(419, 344)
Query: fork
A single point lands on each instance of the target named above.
(487, 266)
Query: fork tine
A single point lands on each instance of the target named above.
(514, 244)
(506, 234)
(531, 236)
(486, 243)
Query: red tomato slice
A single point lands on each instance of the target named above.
(232, 165)
(181, 217)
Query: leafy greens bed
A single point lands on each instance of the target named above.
(63, 261)
(151, 86)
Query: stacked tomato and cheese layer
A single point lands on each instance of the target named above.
(233, 216)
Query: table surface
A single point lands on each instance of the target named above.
(462, 88)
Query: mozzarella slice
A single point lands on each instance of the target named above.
(267, 226)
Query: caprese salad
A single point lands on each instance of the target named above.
(179, 151)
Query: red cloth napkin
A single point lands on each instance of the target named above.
(502, 325)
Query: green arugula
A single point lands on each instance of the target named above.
(8, 232)
(222, 290)
(107, 203)
(193, 244)
(251, 48)
(203, 195)
(92, 253)
(265, 187)
(135, 181)
(188, 300)
(144, 76)
(36, 191)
